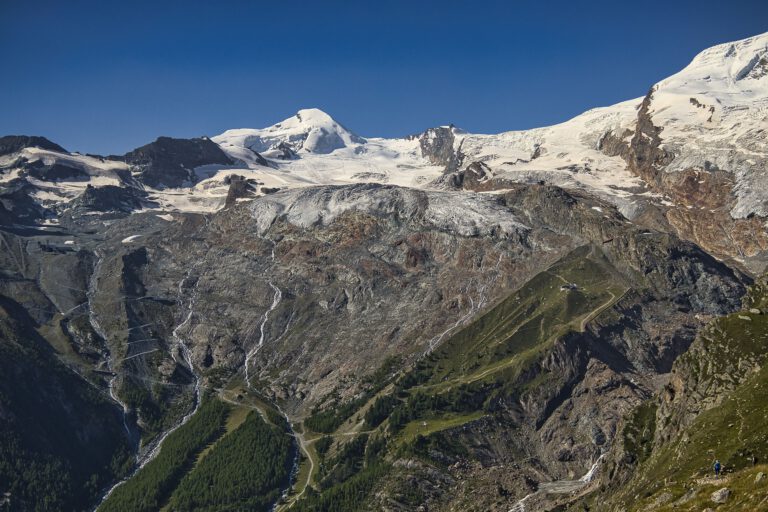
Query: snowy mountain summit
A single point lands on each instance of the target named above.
(714, 114)
(690, 157)
(310, 131)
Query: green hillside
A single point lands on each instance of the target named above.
(726, 388)
(459, 381)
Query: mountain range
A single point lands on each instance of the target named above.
(564, 318)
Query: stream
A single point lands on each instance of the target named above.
(143, 460)
(184, 350)
(277, 297)
(560, 486)
(94, 321)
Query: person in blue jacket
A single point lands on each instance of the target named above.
(717, 467)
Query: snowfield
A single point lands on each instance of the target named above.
(454, 212)
(713, 114)
(325, 153)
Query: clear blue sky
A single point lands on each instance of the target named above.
(104, 77)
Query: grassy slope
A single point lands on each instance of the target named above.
(676, 475)
(496, 349)
(732, 432)
(501, 344)
(519, 328)
(430, 426)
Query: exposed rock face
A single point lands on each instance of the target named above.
(703, 198)
(52, 418)
(352, 263)
(365, 272)
(437, 145)
(110, 198)
(16, 205)
(476, 177)
(239, 188)
(705, 411)
(13, 143)
(169, 162)
(721, 495)
(360, 263)
(357, 265)
(703, 155)
(55, 172)
(587, 382)
(645, 155)
(702, 378)
(286, 152)
(260, 160)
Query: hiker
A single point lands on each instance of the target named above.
(717, 467)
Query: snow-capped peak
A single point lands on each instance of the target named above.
(313, 117)
(309, 131)
(728, 68)
(712, 115)
(735, 60)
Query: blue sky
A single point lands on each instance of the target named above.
(105, 77)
